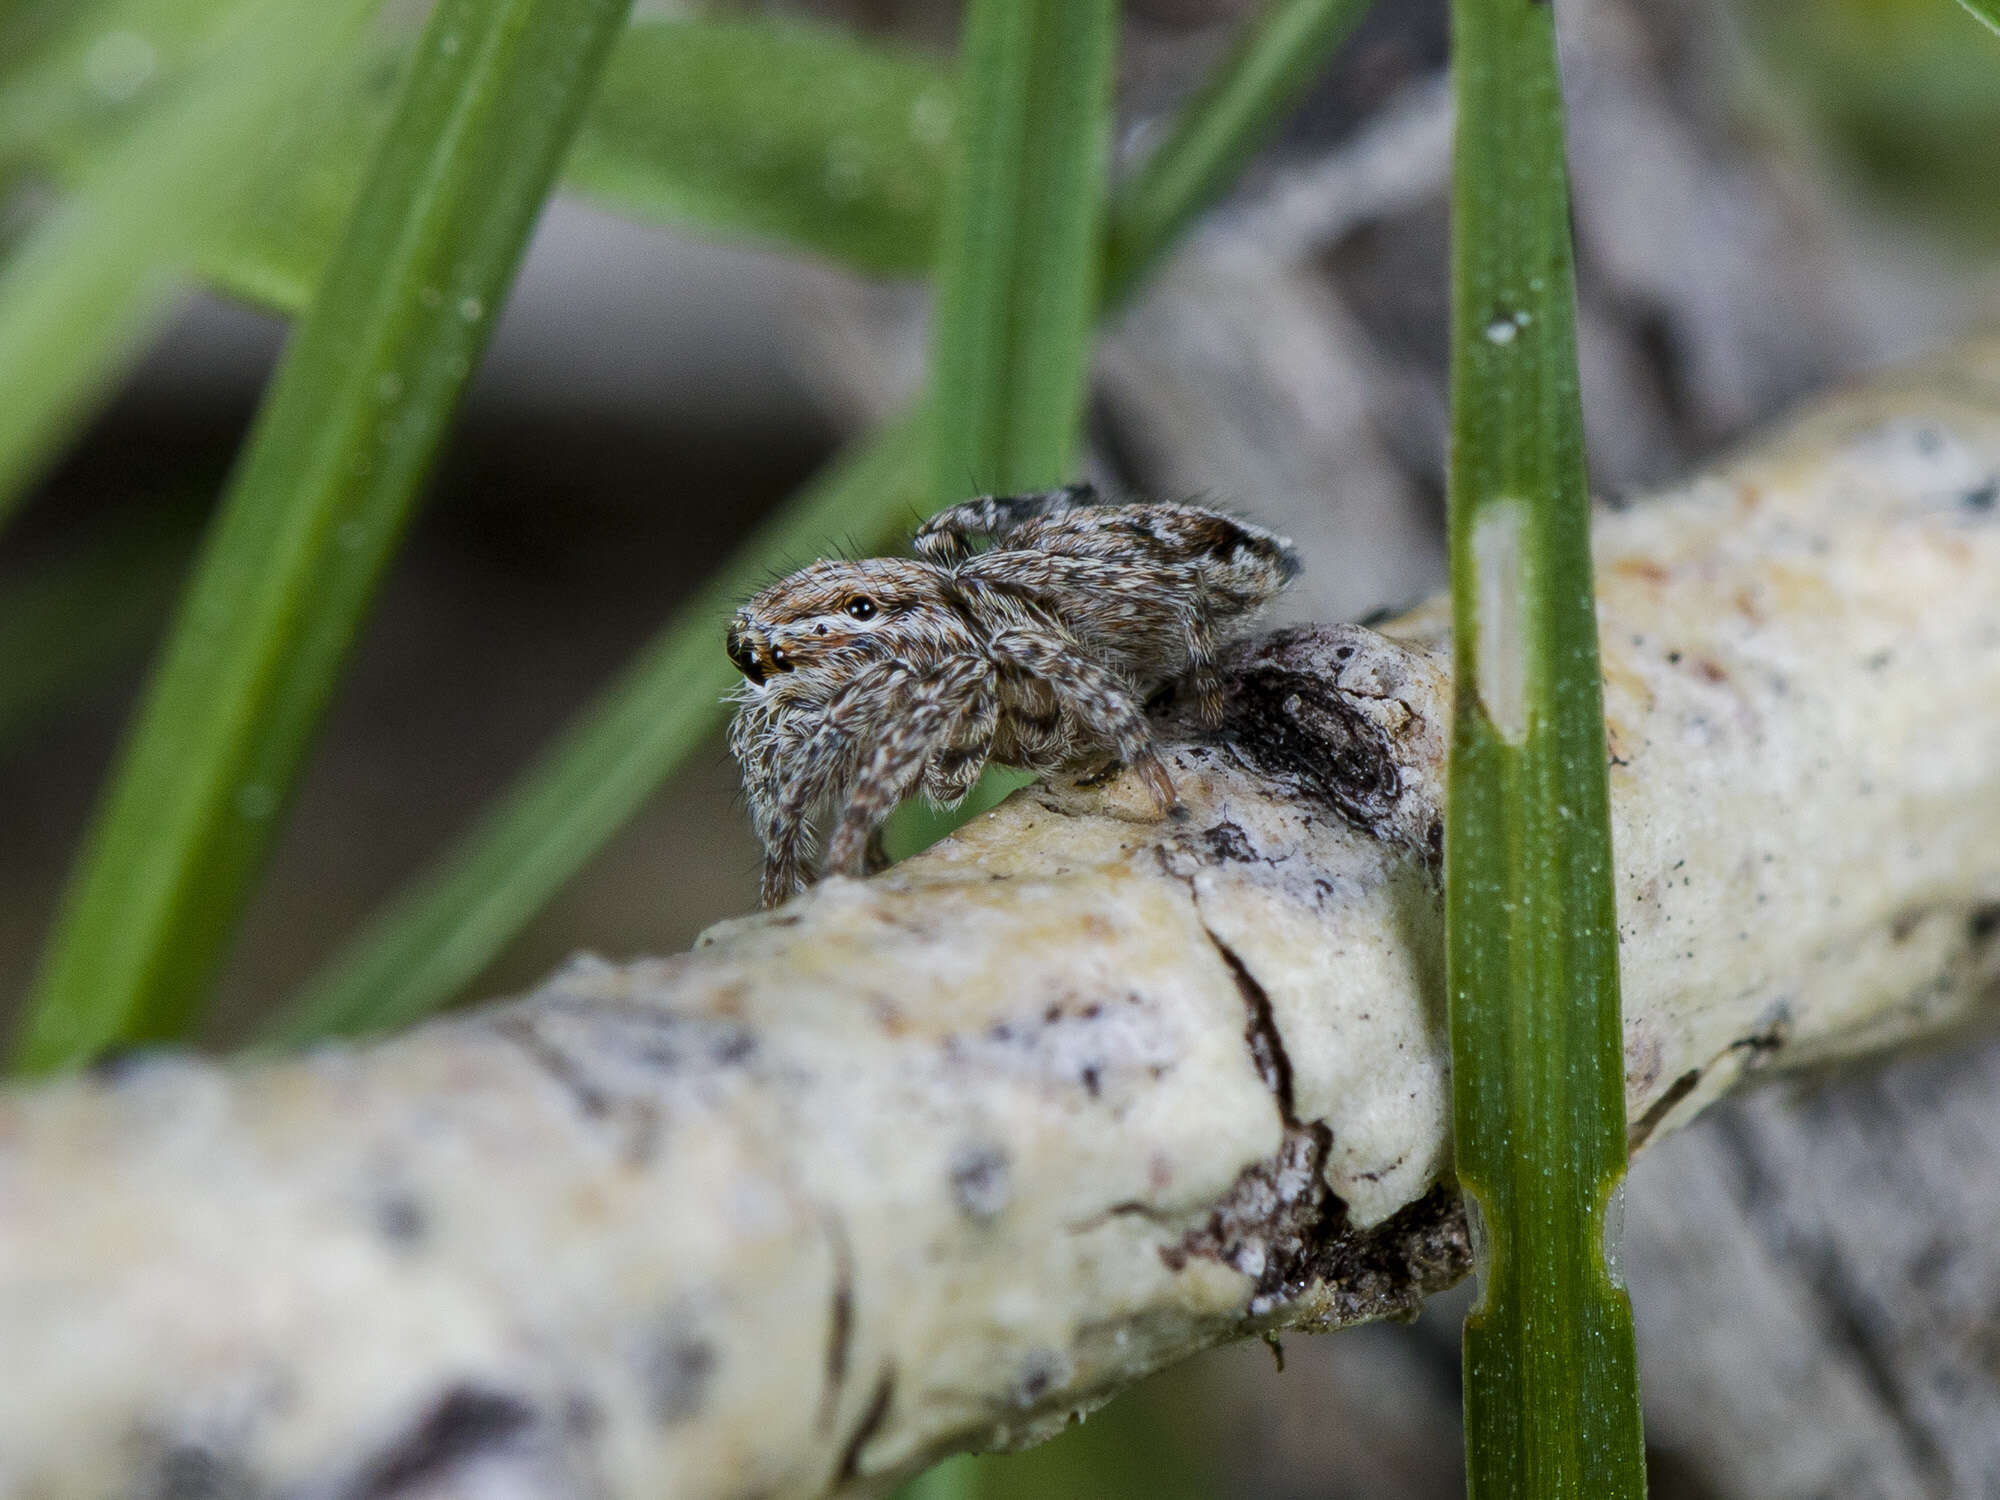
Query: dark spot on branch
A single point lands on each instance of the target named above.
(465, 1423)
(1985, 921)
(676, 1373)
(1226, 842)
(1043, 1369)
(1295, 726)
(400, 1219)
(981, 1180)
(1982, 497)
(1642, 1129)
(195, 1471)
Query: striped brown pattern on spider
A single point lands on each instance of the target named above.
(866, 681)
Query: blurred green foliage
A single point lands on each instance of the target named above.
(1906, 91)
(322, 491)
(84, 282)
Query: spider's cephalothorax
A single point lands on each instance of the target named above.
(866, 681)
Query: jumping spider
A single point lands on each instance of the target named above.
(867, 680)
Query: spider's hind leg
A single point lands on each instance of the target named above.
(947, 537)
(954, 769)
(1101, 703)
(1203, 680)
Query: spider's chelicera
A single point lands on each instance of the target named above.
(866, 681)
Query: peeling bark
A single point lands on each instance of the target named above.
(938, 1159)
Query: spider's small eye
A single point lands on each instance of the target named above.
(861, 607)
(779, 660)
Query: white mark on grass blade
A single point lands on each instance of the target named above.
(1498, 585)
(1481, 1241)
(1612, 1239)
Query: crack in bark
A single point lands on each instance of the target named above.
(870, 1424)
(1267, 1047)
(639, 1115)
(840, 1320)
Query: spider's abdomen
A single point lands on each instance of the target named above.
(1240, 566)
(1145, 588)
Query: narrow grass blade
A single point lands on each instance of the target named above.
(1537, 1060)
(65, 626)
(1018, 272)
(1986, 10)
(345, 437)
(448, 926)
(1010, 378)
(433, 937)
(1019, 261)
(1273, 62)
(83, 286)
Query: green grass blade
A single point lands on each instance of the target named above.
(1019, 260)
(76, 619)
(1018, 271)
(1986, 10)
(346, 434)
(432, 938)
(1273, 62)
(1537, 1060)
(1005, 358)
(81, 289)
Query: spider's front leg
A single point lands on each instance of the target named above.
(941, 730)
(947, 537)
(1101, 702)
(769, 742)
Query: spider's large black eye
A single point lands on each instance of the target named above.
(861, 607)
(779, 660)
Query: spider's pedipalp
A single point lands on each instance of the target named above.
(933, 710)
(801, 750)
